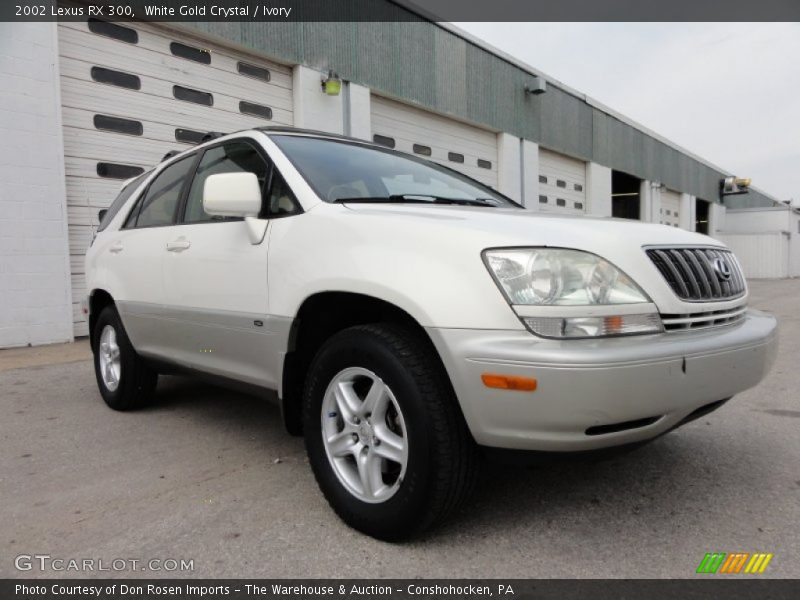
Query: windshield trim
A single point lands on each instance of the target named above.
(275, 138)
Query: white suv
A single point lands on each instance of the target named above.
(407, 316)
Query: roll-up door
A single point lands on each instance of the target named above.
(670, 208)
(465, 148)
(562, 183)
(132, 92)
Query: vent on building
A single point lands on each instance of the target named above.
(252, 71)
(118, 78)
(187, 136)
(420, 149)
(383, 140)
(117, 171)
(455, 157)
(190, 95)
(190, 53)
(118, 125)
(112, 30)
(257, 110)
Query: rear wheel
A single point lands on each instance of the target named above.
(124, 380)
(385, 438)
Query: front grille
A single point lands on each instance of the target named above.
(703, 320)
(699, 274)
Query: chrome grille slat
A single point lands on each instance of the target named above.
(710, 273)
(704, 320)
(699, 274)
(700, 271)
(686, 269)
(676, 276)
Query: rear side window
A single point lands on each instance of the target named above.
(233, 157)
(125, 193)
(158, 205)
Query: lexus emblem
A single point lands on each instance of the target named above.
(722, 269)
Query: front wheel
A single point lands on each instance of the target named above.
(384, 435)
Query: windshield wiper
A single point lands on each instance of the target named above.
(419, 199)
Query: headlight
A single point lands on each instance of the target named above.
(553, 277)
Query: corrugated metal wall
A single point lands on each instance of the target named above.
(762, 255)
(422, 63)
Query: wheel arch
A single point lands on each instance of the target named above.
(98, 300)
(320, 316)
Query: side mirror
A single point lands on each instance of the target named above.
(236, 195)
(101, 214)
(232, 195)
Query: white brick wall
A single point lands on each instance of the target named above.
(35, 296)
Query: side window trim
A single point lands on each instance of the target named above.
(177, 218)
(131, 221)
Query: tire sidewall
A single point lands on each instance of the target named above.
(360, 349)
(115, 399)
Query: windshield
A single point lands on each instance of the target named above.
(342, 171)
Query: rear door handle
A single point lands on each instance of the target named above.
(116, 248)
(178, 245)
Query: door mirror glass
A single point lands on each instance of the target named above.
(232, 195)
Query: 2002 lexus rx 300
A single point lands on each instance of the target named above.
(407, 315)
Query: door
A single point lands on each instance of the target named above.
(131, 92)
(136, 254)
(562, 183)
(670, 208)
(464, 148)
(216, 279)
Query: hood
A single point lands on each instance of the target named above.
(513, 227)
(457, 231)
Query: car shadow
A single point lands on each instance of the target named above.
(655, 484)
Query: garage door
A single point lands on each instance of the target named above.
(670, 208)
(468, 149)
(132, 93)
(562, 183)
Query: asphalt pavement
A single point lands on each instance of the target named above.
(209, 476)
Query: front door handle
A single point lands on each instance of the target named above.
(116, 248)
(179, 245)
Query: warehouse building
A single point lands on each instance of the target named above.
(88, 104)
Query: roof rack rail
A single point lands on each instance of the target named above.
(290, 129)
(170, 154)
(211, 135)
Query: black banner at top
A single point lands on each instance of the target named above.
(401, 10)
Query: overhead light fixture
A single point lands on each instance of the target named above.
(730, 186)
(332, 84)
(536, 87)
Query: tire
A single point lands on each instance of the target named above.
(423, 483)
(135, 381)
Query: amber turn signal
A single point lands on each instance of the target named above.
(509, 382)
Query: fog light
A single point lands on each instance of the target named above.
(590, 327)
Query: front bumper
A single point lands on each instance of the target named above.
(585, 384)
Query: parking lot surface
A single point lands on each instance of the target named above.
(210, 475)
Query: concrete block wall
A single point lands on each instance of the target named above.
(35, 295)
